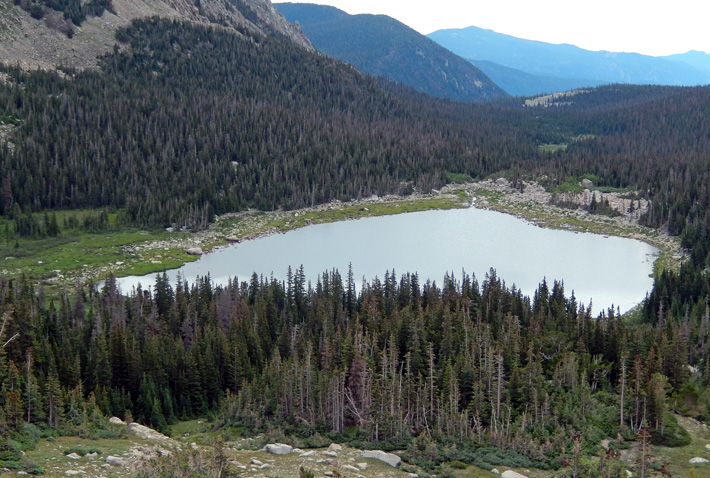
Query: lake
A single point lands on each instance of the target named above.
(607, 270)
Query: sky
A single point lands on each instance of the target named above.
(651, 27)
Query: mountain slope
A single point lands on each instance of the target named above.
(567, 61)
(519, 83)
(44, 43)
(382, 46)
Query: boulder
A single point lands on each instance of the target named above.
(195, 251)
(512, 474)
(308, 453)
(73, 472)
(362, 466)
(278, 448)
(331, 454)
(390, 458)
(698, 461)
(116, 420)
(256, 462)
(73, 456)
(587, 184)
(115, 460)
(351, 468)
(335, 447)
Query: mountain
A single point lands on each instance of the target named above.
(567, 61)
(382, 46)
(47, 33)
(697, 59)
(519, 83)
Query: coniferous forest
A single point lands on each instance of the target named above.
(183, 122)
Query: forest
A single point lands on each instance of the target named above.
(399, 364)
(185, 122)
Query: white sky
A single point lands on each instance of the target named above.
(651, 27)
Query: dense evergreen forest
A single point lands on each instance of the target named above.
(184, 122)
(400, 363)
(191, 121)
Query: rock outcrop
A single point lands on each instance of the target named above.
(390, 458)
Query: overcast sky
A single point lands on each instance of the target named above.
(650, 27)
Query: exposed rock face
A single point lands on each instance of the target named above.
(31, 44)
(278, 448)
(390, 458)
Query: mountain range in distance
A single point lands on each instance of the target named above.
(382, 46)
(526, 67)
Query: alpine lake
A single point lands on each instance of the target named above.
(605, 271)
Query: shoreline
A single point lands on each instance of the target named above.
(169, 249)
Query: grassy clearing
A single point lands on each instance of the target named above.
(50, 455)
(678, 457)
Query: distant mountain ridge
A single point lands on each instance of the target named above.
(382, 46)
(568, 62)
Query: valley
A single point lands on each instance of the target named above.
(139, 135)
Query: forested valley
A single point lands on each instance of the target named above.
(184, 122)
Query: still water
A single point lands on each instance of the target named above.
(607, 270)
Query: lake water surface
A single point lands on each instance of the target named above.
(608, 270)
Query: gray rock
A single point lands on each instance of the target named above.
(331, 462)
(20, 473)
(362, 466)
(390, 458)
(116, 420)
(308, 453)
(335, 447)
(195, 251)
(73, 472)
(698, 461)
(587, 184)
(331, 454)
(265, 466)
(495, 470)
(351, 468)
(278, 448)
(73, 456)
(256, 462)
(512, 474)
(115, 461)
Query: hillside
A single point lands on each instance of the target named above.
(382, 46)
(46, 42)
(241, 120)
(567, 61)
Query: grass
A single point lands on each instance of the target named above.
(552, 148)
(51, 455)
(76, 255)
(678, 457)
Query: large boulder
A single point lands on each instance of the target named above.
(512, 474)
(115, 460)
(195, 251)
(698, 461)
(390, 458)
(278, 448)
